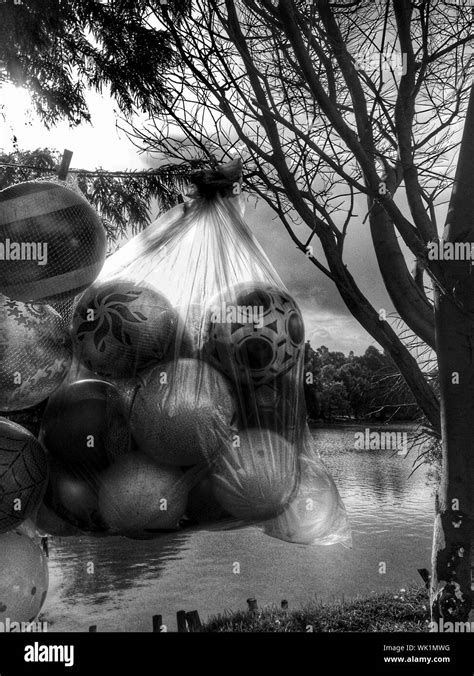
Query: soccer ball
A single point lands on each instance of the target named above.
(255, 333)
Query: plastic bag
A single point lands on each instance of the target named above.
(203, 346)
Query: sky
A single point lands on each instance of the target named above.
(101, 144)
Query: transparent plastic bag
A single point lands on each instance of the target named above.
(193, 328)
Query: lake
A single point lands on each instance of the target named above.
(391, 512)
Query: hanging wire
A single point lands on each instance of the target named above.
(170, 169)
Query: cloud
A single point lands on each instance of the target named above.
(327, 319)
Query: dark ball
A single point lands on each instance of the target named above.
(84, 427)
(23, 474)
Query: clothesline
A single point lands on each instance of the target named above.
(129, 173)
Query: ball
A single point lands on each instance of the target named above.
(202, 506)
(74, 499)
(315, 512)
(52, 242)
(84, 427)
(278, 405)
(35, 353)
(136, 494)
(256, 333)
(23, 474)
(183, 414)
(24, 580)
(49, 523)
(256, 476)
(120, 328)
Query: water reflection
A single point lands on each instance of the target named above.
(391, 514)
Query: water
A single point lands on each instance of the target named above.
(391, 514)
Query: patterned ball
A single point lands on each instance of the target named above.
(35, 353)
(256, 333)
(120, 328)
(183, 413)
(256, 476)
(23, 474)
(24, 580)
(52, 242)
(84, 427)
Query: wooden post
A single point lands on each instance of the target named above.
(64, 166)
(93, 628)
(454, 323)
(157, 623)
(252, 604)
(181, 621)
(194, 621)
(425, 576)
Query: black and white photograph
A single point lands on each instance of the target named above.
(236, 334)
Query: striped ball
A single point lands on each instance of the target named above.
(23, 474)
(52, 242)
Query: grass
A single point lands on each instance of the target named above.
(402, 611)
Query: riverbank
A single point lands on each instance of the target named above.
(406, 610)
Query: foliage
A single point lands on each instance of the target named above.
(338, 387)
(59, 49)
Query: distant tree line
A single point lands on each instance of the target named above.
(355, 387)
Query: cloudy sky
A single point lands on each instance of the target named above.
(327, 320)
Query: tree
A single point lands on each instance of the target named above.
(332, 103)
(60, 48)
(362, 387)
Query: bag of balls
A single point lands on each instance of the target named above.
(184, 405)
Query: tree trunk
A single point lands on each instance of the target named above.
(407, 297)
(383, 333)
(454, 319)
